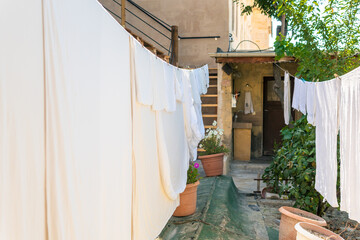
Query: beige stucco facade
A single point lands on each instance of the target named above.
(200, 18)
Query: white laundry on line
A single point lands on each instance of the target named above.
(88, 113)
(327, 103)
(287, 98)
(349, 118)
(299, 97)
(310, 102)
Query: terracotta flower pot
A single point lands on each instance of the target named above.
(187, 201)
(213, 164)
(309, 231)
(290, 217)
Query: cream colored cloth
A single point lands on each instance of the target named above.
(22, 127)
(160, 161)
(89, 129)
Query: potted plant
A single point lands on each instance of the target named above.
(291, 216)
(213, 156)
(308, 231)
(189, 196)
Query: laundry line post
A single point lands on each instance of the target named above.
(174, 45)
(123, 15)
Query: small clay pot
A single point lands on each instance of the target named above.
(309, 231)
(187, 201)
(291, 216)
(213, 164)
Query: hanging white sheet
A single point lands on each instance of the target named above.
(88, 112)
(327, 104)
(287, 98)
(144, 81)
(299, 97)
(198, 86)
(310, 102)
(350, 144)
(22, 127)
(193, 133)
(170, 78)
(161, 161)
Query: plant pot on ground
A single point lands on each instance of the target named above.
(309, 231)
(212, 158)
(291, 216)
(188, 198)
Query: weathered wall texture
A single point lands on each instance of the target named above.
(194, 18)
(255, 27)
(224, 112)
(253, 74)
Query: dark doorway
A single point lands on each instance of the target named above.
(273, 115)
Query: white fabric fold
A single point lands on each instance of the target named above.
(88, 112)
(170, 91)
(159, 83)
(327, 104)
(173, 151)
(299, 97)
(350, 144)
(22, 125)
(310, 102)
(193, 133)
(144, 81)
(179, 86)
(287, 98)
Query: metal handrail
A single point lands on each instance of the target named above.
(152, 16)
(137, 29)
(142, 20)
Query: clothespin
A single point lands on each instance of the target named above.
(336, 76)
(303, 80)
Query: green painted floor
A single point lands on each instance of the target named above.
(222, 213)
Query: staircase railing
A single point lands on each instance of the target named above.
(167, 36)
(167, 40)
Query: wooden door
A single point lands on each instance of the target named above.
(273, 116)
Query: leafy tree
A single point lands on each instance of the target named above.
(324, 35)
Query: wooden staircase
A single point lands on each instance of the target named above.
(210, 102)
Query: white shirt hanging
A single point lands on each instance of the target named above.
(287, 97)
(249, 108)
(327, 100)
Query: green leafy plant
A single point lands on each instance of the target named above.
(324, 36)
(192, 173)
(292, 170)
(212, 141)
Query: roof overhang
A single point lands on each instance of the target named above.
(249, 57)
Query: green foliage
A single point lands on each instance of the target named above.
(192, 173)
(292, 170)
(323, 35)
(212, 141)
